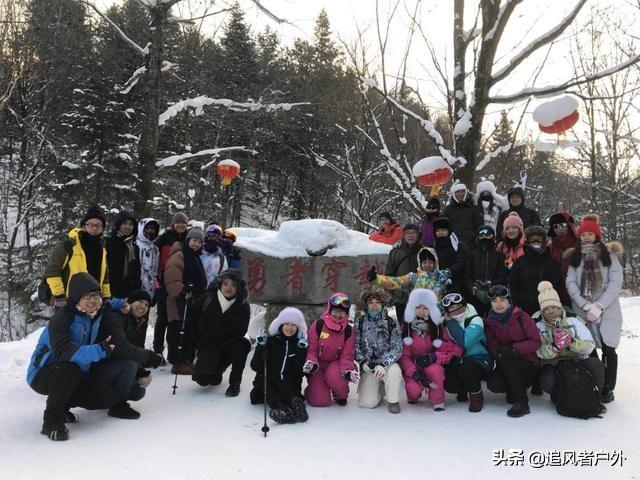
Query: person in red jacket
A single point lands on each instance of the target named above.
(389, 230)
(513, 340)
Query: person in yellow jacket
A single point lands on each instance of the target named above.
(83, 251)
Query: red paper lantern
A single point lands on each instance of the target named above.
(432, 172)
(562, 125)
(558, 115)
(228, 170)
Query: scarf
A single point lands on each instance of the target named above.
(503, 317)
(130, 253)
(591, 280)
(225, 303)
(93, 248)
(193, 271)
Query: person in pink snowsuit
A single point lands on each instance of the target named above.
(427, 348)
(330, 355)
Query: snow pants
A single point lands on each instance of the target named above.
(464, 377)
(513, 376)
(213, 361)
(326, 382)
(66, 386)
(435, 373)
(160, 328)
(370, 390)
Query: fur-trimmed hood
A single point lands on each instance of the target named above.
(422, 296)
(289, 315)
(373, 291)
(432, 251)
(488, 186)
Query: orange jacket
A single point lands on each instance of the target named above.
(390, 235)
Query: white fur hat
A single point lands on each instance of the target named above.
(289, 315)
(488, 186)
(422, 296)
(456, 187)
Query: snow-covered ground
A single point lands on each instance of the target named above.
(201, 434)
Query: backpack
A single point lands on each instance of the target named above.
(44, 291)
(320, 324)
(575, 393)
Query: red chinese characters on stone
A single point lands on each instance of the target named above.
(361, 276)
(257, 279)
(331, 271)
(295, 278)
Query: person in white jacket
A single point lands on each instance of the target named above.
(594, 282)
(492, 204)
(148, 229)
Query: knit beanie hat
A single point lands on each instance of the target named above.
(513, 220)
(426, 254)
(456, 187)
(535, 231)
(94, 212)
(195, 232)
(138, 295)
(213, 230)
(411, 226)
(386, 215)
(442, 222)
(548, 297)
(590, 223)
(179, 217)
(433, 204)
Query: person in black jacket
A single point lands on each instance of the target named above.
(533, 267)
(222, 316)
(285, 351)
(465, 217)
(484, 267)
(452, 253)
(516, 204)
(403, 259)
(123, 256)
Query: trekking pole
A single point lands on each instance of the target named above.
(265, 427)
(187, 300)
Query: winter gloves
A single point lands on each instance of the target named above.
(422, 379)
(310, 367)
(59, 301)
(481, 290)
(561, 339)
(594, 312)
(153, 360)
(371, 274)
(505, 352)
(145, 380)
(352, 376)
(261, 339)
(303, 342)
(425, 360)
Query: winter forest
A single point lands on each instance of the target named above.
(131, 104)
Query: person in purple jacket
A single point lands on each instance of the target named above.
(513, 340)
(427, 230)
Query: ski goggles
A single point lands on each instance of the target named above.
(485, 233)
(452, 299)
(341, 301)
(499, 291)
(559, 226)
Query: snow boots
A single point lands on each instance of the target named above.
(233, 390)
(123, 410)
(438, 407)
(299, 410)
(476, 401)
(394, 408)
(519, 409)
(282, 415)
(55, 432)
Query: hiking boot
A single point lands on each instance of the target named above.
(519, 409)
(233, 390)
(438, 407)
(181, 369)
(536, 389)
(282, 415)
(70, 417)
(603, 409)
(412, 402)
(476, 401)
(341, 401)
(123, 410)
(55, 431)
(299, 409)
(607, 396)
(394, 408)
(462, 397)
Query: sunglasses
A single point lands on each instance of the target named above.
(499, 291)
(559, 226)
(482, 234)
(340, 301)
(451, 299)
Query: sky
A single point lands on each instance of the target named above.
(348, 17)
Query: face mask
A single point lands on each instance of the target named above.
(485, 204)
(459, 316)
(536, 247)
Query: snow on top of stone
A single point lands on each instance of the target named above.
(549, 112)
(296, 238)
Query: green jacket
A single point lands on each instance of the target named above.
(581, 346)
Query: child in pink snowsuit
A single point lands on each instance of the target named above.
(330, 354)
(427, 348)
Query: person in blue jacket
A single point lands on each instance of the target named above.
(70, 366)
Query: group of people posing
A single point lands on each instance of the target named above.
(472, 305)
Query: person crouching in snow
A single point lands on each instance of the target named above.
(71, 363)
(378, 349)
(563, 338)
(513, 340)
(222, 316)
(594, 281)
(426, 349)
(428, 276)
(466, 328)
(330, 363)
(285, 351)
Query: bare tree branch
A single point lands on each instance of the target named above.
(134, 45)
